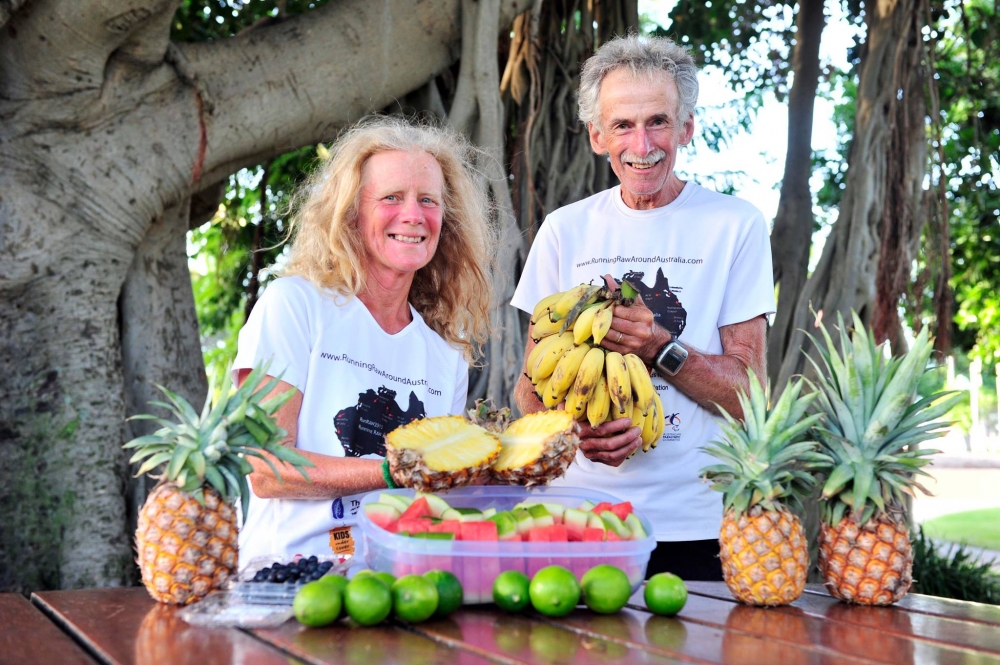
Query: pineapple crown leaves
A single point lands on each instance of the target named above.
(872, 425)
(766, 458)
(212, 448)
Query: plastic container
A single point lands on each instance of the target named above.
(478, 563)
(245, 590)
(225, 609)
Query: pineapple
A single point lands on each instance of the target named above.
(871, 431)
(765, 460)
(435, 454)
(537, 448)
(439, 453)
(186, 540)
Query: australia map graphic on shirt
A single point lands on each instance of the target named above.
(362, 428)
(661, 300)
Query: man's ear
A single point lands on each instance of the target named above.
(596, 139)
(688, 130)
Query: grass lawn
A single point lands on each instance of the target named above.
(979, 528)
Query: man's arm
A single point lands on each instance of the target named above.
(709, 380)
(609, 443)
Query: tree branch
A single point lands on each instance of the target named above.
(59, 48)
(270, 95)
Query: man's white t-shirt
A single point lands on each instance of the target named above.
(701, 262)
(357, 381)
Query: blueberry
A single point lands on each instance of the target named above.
(313, 559)
(325, 566)
(261, 575)
(279, 576)
(316, 575)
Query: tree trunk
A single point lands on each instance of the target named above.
(845, 278)
(159, 334)
(791, 236)
(92, 154)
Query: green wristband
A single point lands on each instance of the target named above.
(388, 476)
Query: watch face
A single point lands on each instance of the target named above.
(672, 358)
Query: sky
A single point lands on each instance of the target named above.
(759, 153)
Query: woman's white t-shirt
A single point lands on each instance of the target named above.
(357, 382)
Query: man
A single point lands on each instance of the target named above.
(702, 264)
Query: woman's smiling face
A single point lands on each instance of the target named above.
(401, 210)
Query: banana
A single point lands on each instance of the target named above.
(540, 387)
(602, 321)
(600, 403)
(652, 426)
(567, 302)
(618, 385)
(547, 361)
(584, 324)
(637, 418)
(544, 327)
(587, 377)
(536, 353)
(655, 423)
(565, 373)
(642, 384)
(589, 297)
(544, 305)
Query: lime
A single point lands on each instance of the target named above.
(414, 598)
(387, 579)
(317, 604)
(606, 589)
(339, 582)
(665, 594)
(449, 592)
(368, 600)
(554, 591)
(510, 591)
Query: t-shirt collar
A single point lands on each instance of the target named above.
(619, 204)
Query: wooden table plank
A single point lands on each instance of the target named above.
(528, 638)
(27, 636)
(794, 626)
(884, 634)
(127, 627)
(345, 643)
(942, 607)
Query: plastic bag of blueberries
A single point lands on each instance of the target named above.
(273, 580)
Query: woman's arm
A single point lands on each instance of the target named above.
(331, 477)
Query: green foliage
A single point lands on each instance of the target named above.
(958, 575)
(205, 20)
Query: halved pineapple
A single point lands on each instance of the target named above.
(435, 454)
(537, 448)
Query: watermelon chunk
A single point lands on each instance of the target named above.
(437, 504)
(382, 514)
(593, 535)
(635, 526)
(595, 522)
(524, 521)
(586, 506)
(556, 510)
(446, 526)
(612, 536)
(398, 500)
(558, 533)
(575, 522)
(419, 508)
(601, 507)
(541, 515)
(622, 510)
(506, 526)
(478, 531)
(413, 525)
(538, 534)
(615, 526)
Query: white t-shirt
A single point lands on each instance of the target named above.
(701, 262)
(357, 381)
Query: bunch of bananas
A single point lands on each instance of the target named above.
(568, 365)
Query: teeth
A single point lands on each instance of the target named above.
(410, 239)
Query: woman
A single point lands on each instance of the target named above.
(383, 303)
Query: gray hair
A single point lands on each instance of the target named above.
(641, 56)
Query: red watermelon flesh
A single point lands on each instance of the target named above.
(558, 533)
(538, 534)
(414, 524)
(591, 535)
(419, 508)
(447, 526)
(622, 510)
(601, 507)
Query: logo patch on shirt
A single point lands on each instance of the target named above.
(361, 428)
(661, 300)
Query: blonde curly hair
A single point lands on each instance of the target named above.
(453, 292)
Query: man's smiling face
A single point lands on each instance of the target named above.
(641, 132)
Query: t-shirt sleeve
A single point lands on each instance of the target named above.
(278, 330)
(750, 289)
(461, 388)
(540, 276)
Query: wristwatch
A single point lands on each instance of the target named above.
(671, 358)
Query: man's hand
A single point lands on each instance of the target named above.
(611, 442)
(633, 330)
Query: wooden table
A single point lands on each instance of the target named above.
(125, 626)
